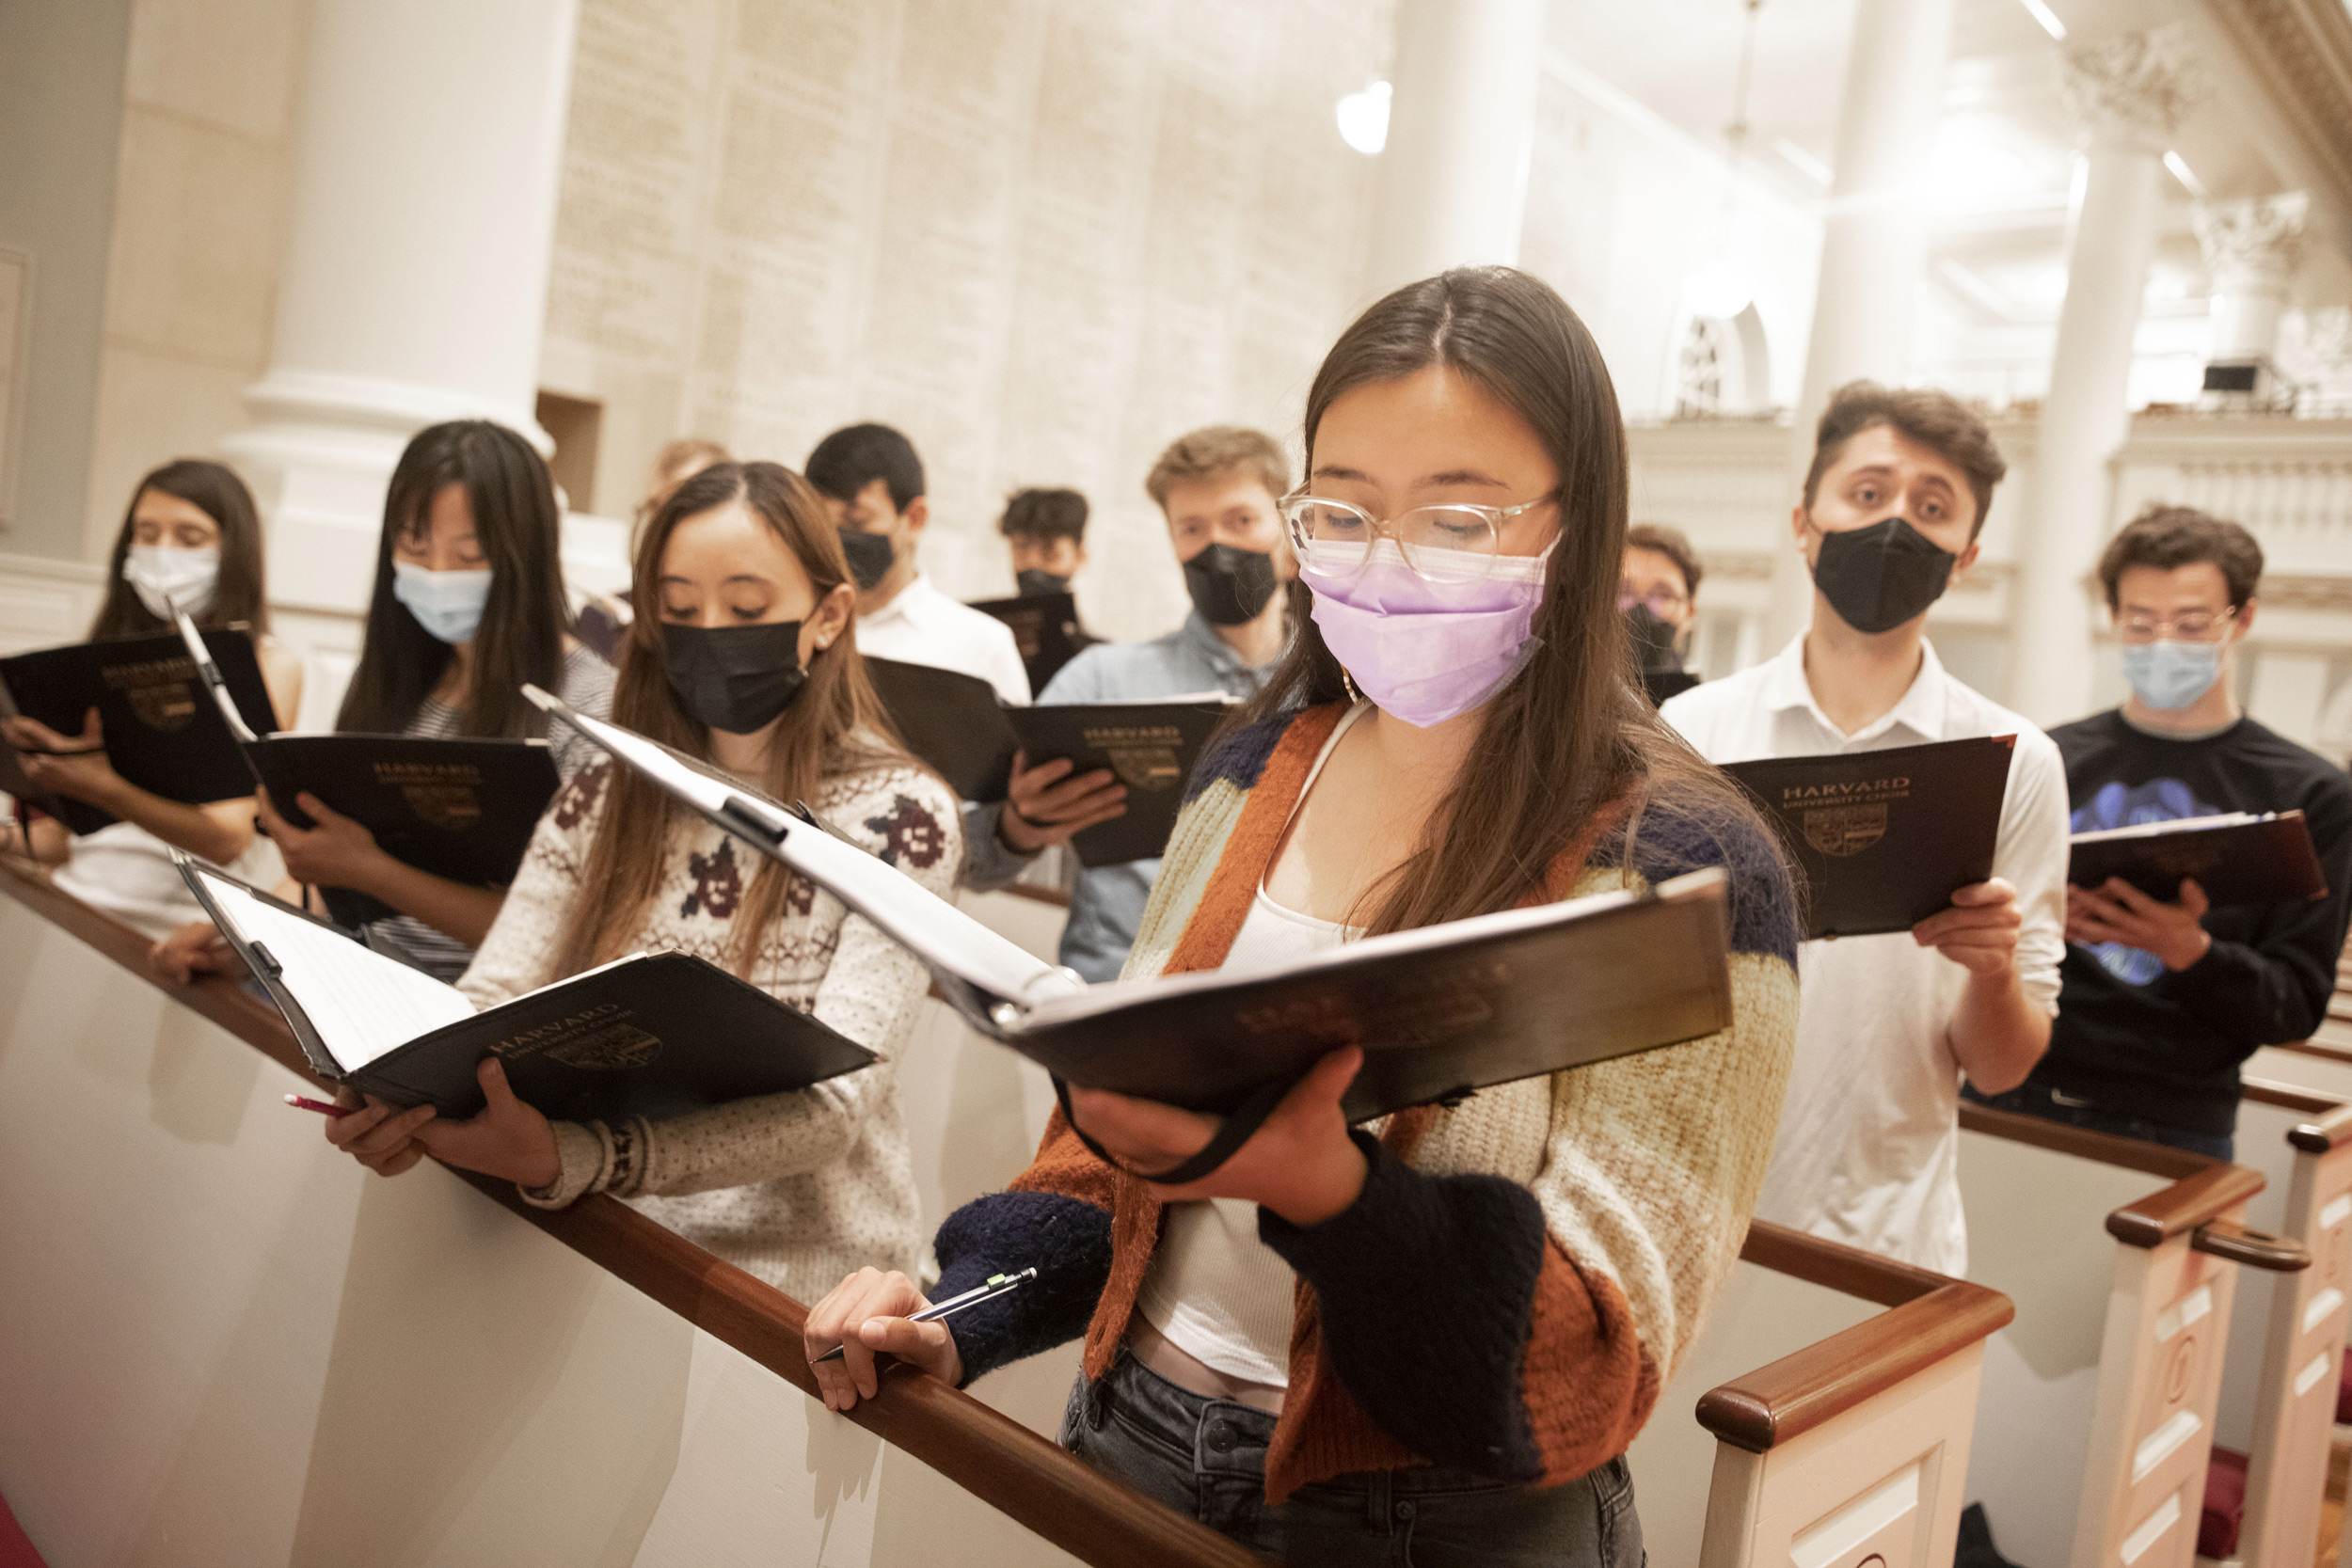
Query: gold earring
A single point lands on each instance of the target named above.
(1349, 681)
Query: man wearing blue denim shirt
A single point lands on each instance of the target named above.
(1218, 489)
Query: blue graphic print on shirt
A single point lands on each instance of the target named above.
(2118, 805)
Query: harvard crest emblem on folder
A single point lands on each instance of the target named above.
(1845, 830)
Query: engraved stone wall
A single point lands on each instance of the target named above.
(1045, 237)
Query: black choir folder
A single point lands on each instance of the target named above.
(652, 1035)
(1044, 627)
(2237, 858)
(462, 808)
(1885, 838)
(955, 723)
(163, 732)
(1440, 1011)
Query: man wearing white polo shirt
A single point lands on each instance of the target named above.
(872, 480)
(1888, 1025)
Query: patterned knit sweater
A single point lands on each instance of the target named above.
(1522, 1274)
(802, 1188)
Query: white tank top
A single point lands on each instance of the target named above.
(1218, 1292)
(127, 871)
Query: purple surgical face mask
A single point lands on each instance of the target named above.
(1425, 651)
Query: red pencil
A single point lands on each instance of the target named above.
(304, 1102)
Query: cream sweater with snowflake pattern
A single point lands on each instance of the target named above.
(801, 1188)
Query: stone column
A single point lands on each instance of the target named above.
(1453, 183)
(2128, 93)
(413, 287)
(1873, 246)
(2251, 248)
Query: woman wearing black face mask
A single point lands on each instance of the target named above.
(743, 655)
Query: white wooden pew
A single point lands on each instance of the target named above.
(2286, 1342)
(1849, 1444)
(2099, 1402)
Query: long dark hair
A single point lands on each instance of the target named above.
(238, 595)
(1572, 733)
(836, 725)
(522, 626)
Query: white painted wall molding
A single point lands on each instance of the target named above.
(45, 601)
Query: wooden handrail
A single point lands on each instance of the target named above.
(2289, 1096)
(1929, 1316)
(2319, 1048)
(2106, 1148)
(2332, 1114)
(990, 1455)
(2202, 1190)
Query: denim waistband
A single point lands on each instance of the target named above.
(1227, 1438)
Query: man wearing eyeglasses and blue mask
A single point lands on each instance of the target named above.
(2163, 1001)
(1219, 489)
(1889, 1025)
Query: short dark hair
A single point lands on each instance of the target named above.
(1044, 514)
(1937, 420)
(853, 457)
(2169, 537)
(1674, 545)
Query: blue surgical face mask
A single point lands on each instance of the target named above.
(2171, 676)
(446, 604)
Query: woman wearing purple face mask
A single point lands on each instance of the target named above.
(1499, 1289)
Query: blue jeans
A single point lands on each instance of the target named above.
(1206, 1459)
(2038, 1099)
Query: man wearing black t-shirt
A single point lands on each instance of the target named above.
(2160, 1002)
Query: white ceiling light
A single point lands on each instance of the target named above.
(1721, 288)
(1364, 118)
(2048, 18)
(2186, 176)
(1973, 164)
(1805, 163)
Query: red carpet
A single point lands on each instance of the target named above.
(15, 1551)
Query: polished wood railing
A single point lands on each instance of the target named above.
(1931, 1317)
(996, 1458)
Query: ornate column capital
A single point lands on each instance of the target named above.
(2133, 89)
(2256, 241)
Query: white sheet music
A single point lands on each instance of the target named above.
(361, 1003)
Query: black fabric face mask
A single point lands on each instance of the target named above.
(1034, 582)
(1229, 586)
(871, 556)
(734, 678)
(1877, 577)
(1653, 639)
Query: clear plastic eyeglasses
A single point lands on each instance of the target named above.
(2188, 626)
(1440, 543)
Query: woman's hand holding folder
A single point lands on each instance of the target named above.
(1301, 1164)
(75, 766)
(336, 851)
(509, 1139)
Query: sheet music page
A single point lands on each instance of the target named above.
(361, 1003)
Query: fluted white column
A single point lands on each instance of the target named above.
(1452, 182)
(2251, 249)
(2128, 93)
(413, 287)
(1873, 242)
